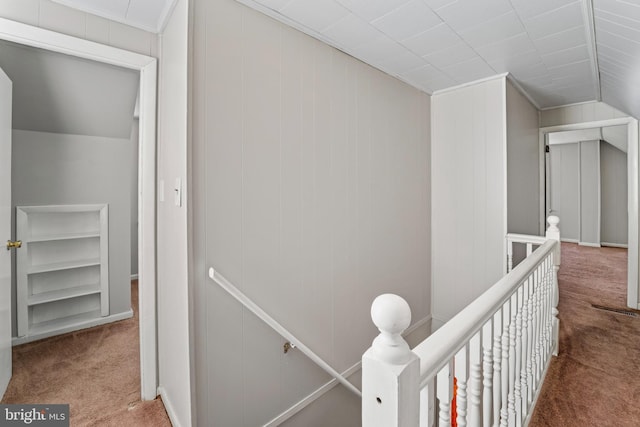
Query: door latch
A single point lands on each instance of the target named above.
(14, 244)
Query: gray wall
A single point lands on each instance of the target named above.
(613, 182)
(590, 192)
(311, 194)
(52, 169)
(469, 200)
(565, 188)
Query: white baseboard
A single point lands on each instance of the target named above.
(615, 245)
(74, 327)
(134, 277)
(569, 240)
(168, 406)
(589, 244)
(436, 324)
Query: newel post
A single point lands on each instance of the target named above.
(390, 370)
(553, 233)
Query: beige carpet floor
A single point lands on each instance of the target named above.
(96, 371)
(595, 380)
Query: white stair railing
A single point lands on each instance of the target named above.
(489, 360)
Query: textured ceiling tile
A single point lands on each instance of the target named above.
(508, 47)
(351, 31)
(530, 8)
(618, 42)
(555, 21)
(437, 38)
(309, 14)
(407, 21)
(494, 30)
(620, 30)
(402, 63)
(465, 14)
(626, 9)
(437, 4)
(561, 41)
(371, 9)
(429, 78)
(567, 56)
(471, 70)
(457, 53)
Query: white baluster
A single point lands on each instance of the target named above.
(553, 232)
(504, 366)
(487, 360)
(524, 381)
(427, 402)
(461, 377)
(390, 370)
(497, 366)
(529, 249)
(511, 405)
(530, 340)
(444, 390)
(475, 382)
(518, 350)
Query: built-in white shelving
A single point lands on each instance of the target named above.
(62, 268)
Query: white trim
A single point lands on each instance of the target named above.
(569, 240)
(632, 188)
(505, 175)
(589, 29)
(147, 66)
(134, 277)
(573, 104)
(472, 83)
(168, 406)
(614, 245)
(520, 89)
(75, 327)
(589, 244)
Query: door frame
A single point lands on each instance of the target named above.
(632, 191)
(147, 66)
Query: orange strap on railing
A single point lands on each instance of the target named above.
(454, 406)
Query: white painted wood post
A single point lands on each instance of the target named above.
(553, 233)
(390, 370)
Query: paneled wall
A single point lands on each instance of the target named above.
(579, 113)
(174, 345)
(311, 194)
(613, 177)
(523, 164)
(62, 19)
(469, 194)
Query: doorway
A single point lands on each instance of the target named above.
(546, 199)
(147, 67)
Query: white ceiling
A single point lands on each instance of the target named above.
(58, 93)
(149, 15)
(559, 51)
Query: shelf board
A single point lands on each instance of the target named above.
(55, 324)
(68, 265)
(62, 294)
(63, 236)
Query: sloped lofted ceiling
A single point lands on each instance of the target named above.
(559, 51)
(58, 93)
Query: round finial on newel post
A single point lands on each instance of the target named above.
(392, 315)
(553, 222)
